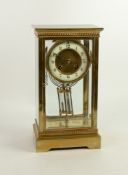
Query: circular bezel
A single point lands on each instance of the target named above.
(57, 44)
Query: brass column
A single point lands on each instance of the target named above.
(86, 86)
(41, 57)
(94, 100)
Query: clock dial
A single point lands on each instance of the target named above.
(67, 61)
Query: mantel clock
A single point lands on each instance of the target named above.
(66, 87)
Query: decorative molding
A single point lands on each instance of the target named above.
(55, 34)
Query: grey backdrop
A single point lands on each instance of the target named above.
(17, 86)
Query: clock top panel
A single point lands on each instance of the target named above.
(61, 30)
(86, 26)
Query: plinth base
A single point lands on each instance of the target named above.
(44, 144)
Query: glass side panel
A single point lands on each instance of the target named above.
(56, 115)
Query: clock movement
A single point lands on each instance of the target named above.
(66, 80)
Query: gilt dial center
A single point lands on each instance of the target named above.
(68, 61)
